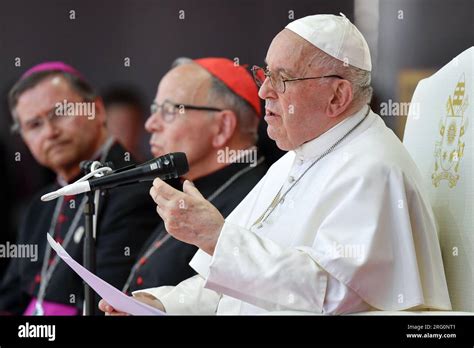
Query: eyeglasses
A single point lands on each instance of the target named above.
(168, 110)
(36, 125)
(277, 81)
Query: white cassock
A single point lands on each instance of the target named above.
(356, 233)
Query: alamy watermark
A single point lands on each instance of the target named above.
(353, 251)
(21, 251)
(37, 331)
(66, 108)
(392, 108)
(227, 155)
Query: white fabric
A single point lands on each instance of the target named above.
(441, 120)
(336, 36)
(356, 233)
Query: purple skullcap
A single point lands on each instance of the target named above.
(52, 66)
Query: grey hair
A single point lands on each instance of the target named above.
(360, 79)
(181, 61)
(247, 117)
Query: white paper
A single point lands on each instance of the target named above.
(116, 298)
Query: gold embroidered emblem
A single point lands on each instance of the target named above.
(449, 149)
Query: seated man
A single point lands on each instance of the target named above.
(206, 108)
(340, 224)
(62, 122)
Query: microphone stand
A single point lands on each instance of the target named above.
(166, 167)
(89, 247)
(89, 252)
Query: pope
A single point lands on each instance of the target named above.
(340, 224)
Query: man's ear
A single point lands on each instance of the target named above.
(226, 121)
(341, 98)
(100, 113)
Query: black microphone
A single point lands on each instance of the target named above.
(164, 167)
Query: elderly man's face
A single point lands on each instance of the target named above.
(61, 142)
(297, 115)
(191, 130)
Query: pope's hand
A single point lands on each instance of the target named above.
(142, 297)
(187, 215)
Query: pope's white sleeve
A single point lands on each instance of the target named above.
(188, 297)
(263, 273)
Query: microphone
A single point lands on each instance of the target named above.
(165, 167)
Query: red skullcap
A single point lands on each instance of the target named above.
(235, 77)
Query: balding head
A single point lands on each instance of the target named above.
(187, 83)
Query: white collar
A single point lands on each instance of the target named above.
(317, 146)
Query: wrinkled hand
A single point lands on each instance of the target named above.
(187, 215)
(142, 297)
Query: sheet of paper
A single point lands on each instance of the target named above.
(112, 295)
